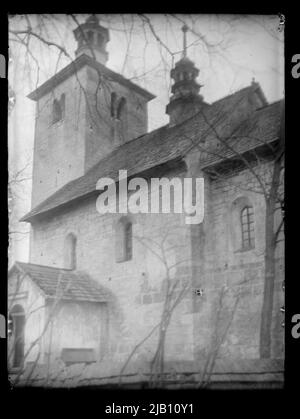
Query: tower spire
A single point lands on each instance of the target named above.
(184, 30)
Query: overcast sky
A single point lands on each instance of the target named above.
(229, 50)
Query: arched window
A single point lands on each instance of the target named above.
(56, 113)
(16, 336)
(123, 239)
(247, 227)
(70, 252)
(242, 224)
(119, 115)
(121, 108)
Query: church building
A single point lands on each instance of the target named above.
(116, 294)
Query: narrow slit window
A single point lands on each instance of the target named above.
(121, 108)
(70, 257)
(56, 113)
(58, 109)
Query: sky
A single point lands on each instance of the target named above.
(229, 51)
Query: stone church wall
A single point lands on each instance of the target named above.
(137, 284)
(236, 274)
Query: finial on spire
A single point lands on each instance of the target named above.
(184, 30)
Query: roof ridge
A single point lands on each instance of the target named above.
(268, 105)
(42, 266)
(120, 148)
(74, 285)
(232, 94)
(165, 126)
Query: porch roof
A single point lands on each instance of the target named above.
(63, 284)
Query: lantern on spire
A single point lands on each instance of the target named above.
(185, 100)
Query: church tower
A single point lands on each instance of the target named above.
(185, 100)
(83, 113)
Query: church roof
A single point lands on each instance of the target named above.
(75, 66)
(63, 283)
(170, 143)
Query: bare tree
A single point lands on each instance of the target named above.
(174, 292)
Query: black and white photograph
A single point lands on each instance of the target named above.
(146, 162)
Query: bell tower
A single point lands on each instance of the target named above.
(83, 113)
(185, 100)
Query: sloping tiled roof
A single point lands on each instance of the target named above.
(169, 143)
(261, 129)
(63, 284)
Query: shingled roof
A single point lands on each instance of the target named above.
(63, 283)
(261, 129)
(169, 143)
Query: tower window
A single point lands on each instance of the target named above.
(121, 108)
(117, 107)
(118, 112)
(247, 224)
(58, 109)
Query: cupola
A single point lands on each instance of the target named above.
(92, 39)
